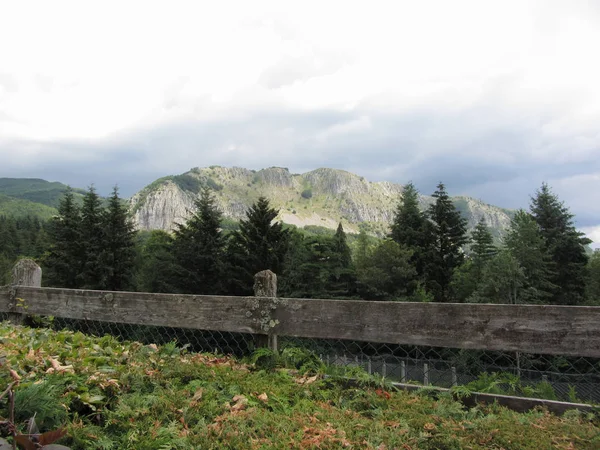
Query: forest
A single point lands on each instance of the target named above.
(427, 255)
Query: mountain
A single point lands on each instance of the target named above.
(32, 196)
(322, 197)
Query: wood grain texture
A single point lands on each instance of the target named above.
(561, 330)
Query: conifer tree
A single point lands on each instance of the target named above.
(258, 244)
(91, 234)
(342, 276)
(526, 243)
(482, 248)
(65, 259)
(117, 255)
(411, 229)
(564, 243)
(156, 270)
(449, 235)
(199, 249)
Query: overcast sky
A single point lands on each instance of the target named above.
(490, 97)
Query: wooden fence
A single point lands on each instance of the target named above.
(539, 329)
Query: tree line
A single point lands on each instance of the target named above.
(427, 256)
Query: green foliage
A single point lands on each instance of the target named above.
(502, 281)
(449, 235)
(526, 243)
(386, 272)
(306, 193)
(92, 247)
(411, 229)
(20, 237)
(64, 262)
(199, 249)
(117, 253)
(123, 395)
(260, 243)
(15, 207)
(565, 244)
(36, 191)
(593, 279)
(155, 267)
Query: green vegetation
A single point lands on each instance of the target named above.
(15, 207)
(124, 395)
(35, 190)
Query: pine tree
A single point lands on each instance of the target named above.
(258, 244)
(199, 249)
(564, 243)
(117, 254)
(92, 239)
(342, 276)
(526, 243)
(65, 259)
(411, 229)
(483, 248)
(449, 235)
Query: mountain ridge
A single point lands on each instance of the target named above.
(322, 197)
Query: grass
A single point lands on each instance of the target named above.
(124, 395)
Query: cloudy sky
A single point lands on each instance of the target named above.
(491, 97)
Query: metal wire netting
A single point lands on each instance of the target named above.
(574, 379)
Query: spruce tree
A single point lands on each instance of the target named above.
(156, 270)
(411, 229)
(449, 235)
(258, 244)
(199, 249)
(526, 243)
(91, 234)
(482, 248)
(117, 255)
(342, 276)
(65, 259)
(564, 243)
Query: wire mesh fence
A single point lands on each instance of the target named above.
(574, 379)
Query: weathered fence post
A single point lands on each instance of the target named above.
(265, 285)
(24, 273)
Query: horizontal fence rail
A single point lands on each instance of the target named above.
(539, 329)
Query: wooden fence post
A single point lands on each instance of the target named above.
(265, 285)
(24, 273)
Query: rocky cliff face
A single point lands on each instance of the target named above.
(322, 197)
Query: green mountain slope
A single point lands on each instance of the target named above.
(35, 190)
(16, 207)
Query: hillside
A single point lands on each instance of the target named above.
(322, 197)
(32, 196)
(112, 394)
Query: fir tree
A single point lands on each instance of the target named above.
(411, 229)
(564, 243)
(117, 256)
(258, 244)
(199, 249)
(527, 245)
(65, 259)
(91, 239)
(449, 235)
(482, 248)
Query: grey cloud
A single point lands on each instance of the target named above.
(495, 163)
